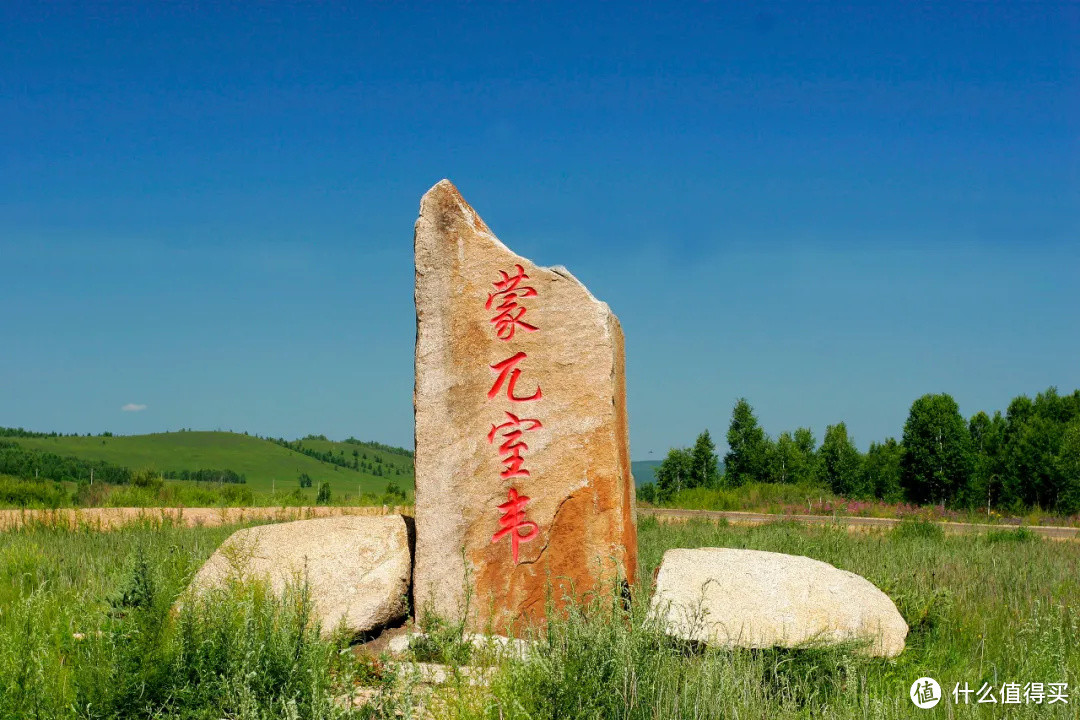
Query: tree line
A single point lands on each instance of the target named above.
(23, 433)
(360, 461)
(391, 449)
(206, 475)
(1028, 457)
(31, 464)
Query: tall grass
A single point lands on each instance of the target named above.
(33, 494)
(87, 631)
(810, 499)
(980, 609)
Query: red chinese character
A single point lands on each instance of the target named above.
(513, 522)
(506, 369)
(510, 315)
(512, 446)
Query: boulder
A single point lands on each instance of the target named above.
(357, 568)
(522, 457)
(756, 599)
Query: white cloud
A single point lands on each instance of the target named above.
(133, 407)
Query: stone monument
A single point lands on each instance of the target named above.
(523, 485)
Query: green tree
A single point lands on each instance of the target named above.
(783, 459)
(805, 470)
(841, 464)
(323, 498)
(305, 480)
(704, 463)
(647, 493)
(935, 463)
(673, 473)
(987, 443)
(1068, 465)
(882, 469)
(1034, 432)
(747, 457)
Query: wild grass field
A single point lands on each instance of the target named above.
(86, 632)
(813, 499)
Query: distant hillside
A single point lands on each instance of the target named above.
(349, 466)
(265, 463)
(644, 471)
(394, 464)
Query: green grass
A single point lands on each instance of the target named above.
(86, 631)
(268, 466)
(989, 608)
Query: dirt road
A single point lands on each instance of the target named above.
(853, 524)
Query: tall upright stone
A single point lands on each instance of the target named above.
(522, 458)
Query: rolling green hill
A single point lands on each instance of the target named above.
(265, 463)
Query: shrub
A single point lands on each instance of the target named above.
(916, 527)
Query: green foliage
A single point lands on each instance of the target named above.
(1027, 460)
(323, 498)
(206, 475)
(674, 473)
(34, 464)
(305, 480)
(1018, 534)
(792, 459)
(841, 464)
(747, 457)
(441, 641)
(394, 491)
(83, 635)
(1068, 467)
(16, 492)
(647, 493)
(257, 462)
(985, 484)
(919, 528)
(1036, 464)
(759, 497)
(881, 467)
(704, 470)
(936, 458)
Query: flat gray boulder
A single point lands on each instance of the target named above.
(757, 599)
(357, 568)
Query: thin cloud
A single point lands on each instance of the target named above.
(133, 407)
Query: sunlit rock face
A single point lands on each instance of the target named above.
(757, 599)
(523, 486)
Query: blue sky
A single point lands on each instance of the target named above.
(828, 210)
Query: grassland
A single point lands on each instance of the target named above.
(267, 466)
(806, 499)
(85, 631)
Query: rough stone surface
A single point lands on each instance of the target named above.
(357, 568)
(751, 598)
(569, 379)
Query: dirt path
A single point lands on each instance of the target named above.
(107, 518)
(853, 524)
